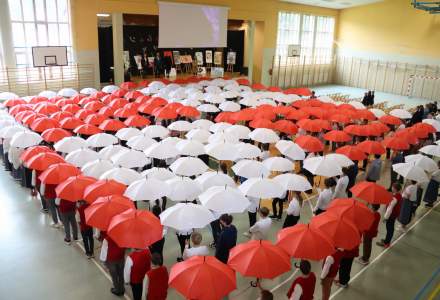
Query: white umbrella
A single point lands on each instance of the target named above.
(67, 92)
(248, 151)
(186, 215)
(433, 150)
(264, 135)
(122, 175)
(190, 148)
(97, 167)
(47, 94)
(161, 151)
(202, 124)
(278, 164)
(172, 140)
(341, 160)
(8, 96)
(191, 102)
(200, 135)
(214, 98)
(69, 144)
(140, 142)
(250, 168)
(158, 173)
(149, 189)
(155, 131)
(181, 126)
(377, 112)
(401, 113)
(110, 89)
(211, 178)
(224, 199)
(9, 131)
(242, 132)
(231, 94)
(293, 182)
(230, 106)
(88, 91)
(124, 134)
(101, 140)
(208, 108)
(109, 151)
(223, 137)
(322, 166)
(434, 123)
(183, 189)
(290, 150)
(188, 166)
(261, 188)
(25, 139)
(410, 171)
(422, 161)
(222, 151)
(248, 101)
(212, 89)
(219, 127)
(81, 157)
(130, 159)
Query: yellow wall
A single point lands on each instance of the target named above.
(390, 27)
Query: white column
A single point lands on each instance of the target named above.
(250, 48)
(118, 47)
(6, 35)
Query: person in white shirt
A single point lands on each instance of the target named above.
(325, 196)
(341, 185)
(196, 249)
(261, 228)
(252, 210)
(293, 211)
(409, 203)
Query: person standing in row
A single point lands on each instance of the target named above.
(67, 215)
(278, 213)
(329, 271)
(345, 266)
(86, 230)
(431, 193)
(155, 286)
(341, 185)
(368, 237)
(352, 173)
(197, 249)
(227, 238)
(157, 247)
(137, 264)
(391, 214)
(409, 204)
(183, 237)
(261, 228)
(325, 196)
(373, 173)
(113, 257)
(293, 211)
(303, 287)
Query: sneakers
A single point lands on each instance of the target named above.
(54, 225)
(67, 241)
(90, 256)
(344, 286)
(363, 262)
(247, 234)
(382, 244)
(116, 292)
(44, 210)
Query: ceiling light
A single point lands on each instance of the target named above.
(103, 15)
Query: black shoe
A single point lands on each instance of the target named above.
(273, 217)
(116, 292)
(179, 259)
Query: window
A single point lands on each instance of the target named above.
(39, 23)
(313, 33)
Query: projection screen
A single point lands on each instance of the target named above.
(184, 25)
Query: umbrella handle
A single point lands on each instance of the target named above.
(255, 283)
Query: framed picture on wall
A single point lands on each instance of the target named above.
(231, 58)
(208, 56)
(150, 60)
(218, 56)
(199, 58)
(176, 57)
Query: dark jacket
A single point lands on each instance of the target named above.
(226, 241)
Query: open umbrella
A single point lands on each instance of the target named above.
(101, 140)
(148, 189)
(57, 173)
(25, 139)
(352, 152)
(410, 171)
(123, 175)
(135, 229)
(293, 182)
(422, 161)
(395, 143)
(371, 192)
(401, 113)
(42, 161)
(371, 147)
(200, 135)
(305, 242)
(155, 131)
(30, 152)
(100, 213)
(309, 143)
(188, 166)
(125, 134)
(248, 151)
(102, 188)
(72, 189)
(158, 173)
(140, 142)
(186, 215)
(224, 199)
(290, 150)
(70, 144)
(278, 164)
(322, 166)
(54, 135)
(183, 189)
(354, 211)
(130, 159)
(222, 151)
(181, 126)
(433, 150)
(264, 135)
(248, 168)
(210, 179)
(202, 277)
(337, 136)
(81, 157)
(97, 167)
(340, 159)
(261, 188)
(190, 148)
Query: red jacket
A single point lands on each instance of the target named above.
(114, 252)
(157, 284)
(82, 217)
(307, 285)
(372, 231)
(66, 206)
(141, 265)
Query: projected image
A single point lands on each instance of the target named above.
(213, 17)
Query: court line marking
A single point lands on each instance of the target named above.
(434, 293)
(427, 284)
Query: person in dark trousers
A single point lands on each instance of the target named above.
(329, 271)
(137, 264)
(345, 266)
(158, 65)
(157, 247)
(227, 238)
(391, 214)
(278, 213)
(183, 237)
(86, 230)
(215, 229)
(373, 173)
(113, 256)
(431, 193)
(303, 287)
(156, 281)
(368, 237)
(293, 210)
(409, 204)
(67, 215)
(396, 158)
(352, 172)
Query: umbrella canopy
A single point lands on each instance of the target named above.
(186, 215)
(210, 179)
(290, 150)
(130, 159)
(148, 189)
(181, 126)
(70, 144)
(433, 150)
(395, 143)
(410, 171)
(354, 211)
(309, 143)
(371, 192)
(371, 147)
(202, 277)
(124, 134)
(100, 213)
(248, 168)
(264, 135)
(183, 189)
(188, 166)
(352, 152)
(72, 189)
(140, 142)
(259, 259)
(190, 148)
(200, 135)
(248, 151)
(240, 131)
(262, 188)
(57, 173)
(135, 229)
(338, 136)
(422, 161)
(155, 131)
(42, 161)
(278, 164)
(102, 188)
(224, 199)
(158, 173)
(81, 157)
(401, 113)
(343, 232)
(322, 166)
(305, 242)
(101, 140)
(25, 139)
(55, 134)
(97, 167)
(340, 159)
(32, 151)
(293, 182)
(123, 175)
(222, 151)
(161, 150)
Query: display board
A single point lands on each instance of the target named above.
(49, 56)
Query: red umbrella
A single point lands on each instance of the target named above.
(309, 143)
(299, 91)
(13, 102)
(301, 104)
(381, 127)
(147, 108)
(371, 147)
(87, 129)
(19, 108)
(132, 105)
(371, 192)
(352, 152)
(304, 242)
(83, 113)
(265, 113)
(407, 136)
(135, 229)
(120, 93)
(285, 126)
(188, 111)
(395, 143)
(390, 120)
(103, 188)
(246, 114)
(23, 114)
(99, 94)
(42, 161)
(144, 83)
(317, 112)
(259, 259)
(57, 173)
(261, 123)
(346, 106)
(283, 110)
(70, 123)
(38, 99)
(128, 85)
(354, 211)
(310, 125)
(111, 125)
(72, 108)
(118, 103)
(353, 129)
(34, 150)
(54, 135)
(137, 121)
(63, 102)
(368, 130)
(142, 99)
(274, 89)
(297, 115)
(61, 115)
(133, 95)
(72, 189)
(165, 113)
(158, 101)
(77, 98)
(258, 87)
(108, 98)
(29, 119)
(342, 231)
(225, 116)
(243, 81)
(86, 100)
(364, 114)
(94, 105)
(340, 118)
(100, 213)
(202, 278)
(337, 136)
(41, 124)
(46, 108)
(107, 111)
(422, 130)
(124, 112)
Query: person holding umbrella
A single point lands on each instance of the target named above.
(293, 211)
(325, 196)
(113, 256)
(369, 235)
(196, 249)
(157, 247)
(373, 173)
(303, 287)
(137, 264)
(155, 286)
(342, 184)
(391, 214)
(261, 228)
(329, 271)
(227, 238)
(409, 204)
(345, 266)
(431, 193)
(396, 158)
(352, 172)
(183, 237)
(86, 230)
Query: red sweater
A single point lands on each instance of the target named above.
(49, 191)
(114, 252)
(396, 209)
(372, 231)
(157, 284)
(66, 206)
(335, 266)
(141, 265)
(307, 285)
